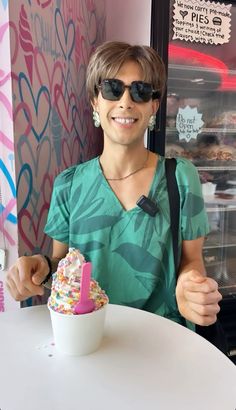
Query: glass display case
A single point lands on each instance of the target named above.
(201, 126)
(197, 119)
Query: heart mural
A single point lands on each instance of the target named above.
(65, 34)
(39, 104)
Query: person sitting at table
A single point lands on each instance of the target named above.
(93, 206)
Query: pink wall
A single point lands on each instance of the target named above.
(8, 214)
(51, 41)
(129, 20)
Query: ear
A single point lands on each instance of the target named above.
(155, 106)
(94, 104)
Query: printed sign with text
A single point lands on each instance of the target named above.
(202, 21)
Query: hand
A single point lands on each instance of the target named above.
(197, 298)
(24, 279)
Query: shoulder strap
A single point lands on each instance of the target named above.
(174, 202)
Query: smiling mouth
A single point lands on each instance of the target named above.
(124, 121)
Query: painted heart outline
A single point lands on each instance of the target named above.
(38, 161)
(6, 106)
(5, 75)
(42, 109)
(44, 3)
(70, 151)
(36, 199)
(5, 3)
(79, 125)
(24, 190)
(43, 73)
(32, 232)
(6, 211)
(65, 34)
(64, 107)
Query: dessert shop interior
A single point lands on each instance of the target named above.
(46, 122)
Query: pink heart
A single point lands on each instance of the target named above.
(44, 4)
(70, 151)
(64, 108)
(42, 71)
(32, 233)
(5, 71)
(22, 124)
(18, 119)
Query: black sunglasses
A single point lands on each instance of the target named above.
(113, 89)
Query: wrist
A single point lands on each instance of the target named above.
(52, 264)
(50, 271)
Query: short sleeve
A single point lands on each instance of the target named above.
(57, 226)
(194, 220)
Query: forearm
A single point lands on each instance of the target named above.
(193, 264)
(191, 257)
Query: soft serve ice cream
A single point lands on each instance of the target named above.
(65, 292)
(76, 331)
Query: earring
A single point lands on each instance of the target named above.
(96, 119)
(152, 122)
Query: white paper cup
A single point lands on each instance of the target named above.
(208, 189)
(78, 335)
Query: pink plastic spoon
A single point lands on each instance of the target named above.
(85, 305)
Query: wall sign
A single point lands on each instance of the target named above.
(188, 123)
(202, 21)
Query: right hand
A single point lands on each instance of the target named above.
(24, 278)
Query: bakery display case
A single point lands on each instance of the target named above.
(213, 151)
(197, 120)
(201, 126)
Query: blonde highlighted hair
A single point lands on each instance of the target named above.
(108, 58)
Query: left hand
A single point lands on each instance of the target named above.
(198, 298)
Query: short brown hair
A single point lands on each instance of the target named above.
(108, 58)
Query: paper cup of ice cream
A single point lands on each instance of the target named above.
(77, 306)
(78, 335)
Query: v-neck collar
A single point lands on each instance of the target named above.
(152, 190)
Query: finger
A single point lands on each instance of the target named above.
(207, 286)
(30, 289)
(198, 319)
(41, 273)
(24, 271)
(203, 320)
(23, 285)
(203, 298)
(205, 310)
(14, 291)
(24, 280)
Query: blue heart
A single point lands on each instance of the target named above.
(10, 217)
(65, 33)
(36, 103)
(5, 3)
(29, 178)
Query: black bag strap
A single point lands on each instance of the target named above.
(213, 333)
(174, 203)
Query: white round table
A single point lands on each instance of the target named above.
(145, 362)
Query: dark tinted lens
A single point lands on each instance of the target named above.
(112, 89)
(140, 91)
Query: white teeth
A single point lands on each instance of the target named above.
(125, 120)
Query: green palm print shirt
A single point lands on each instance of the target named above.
(131, 251)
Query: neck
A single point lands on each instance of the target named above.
(120, 167)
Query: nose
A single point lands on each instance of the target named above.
(126, 100)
